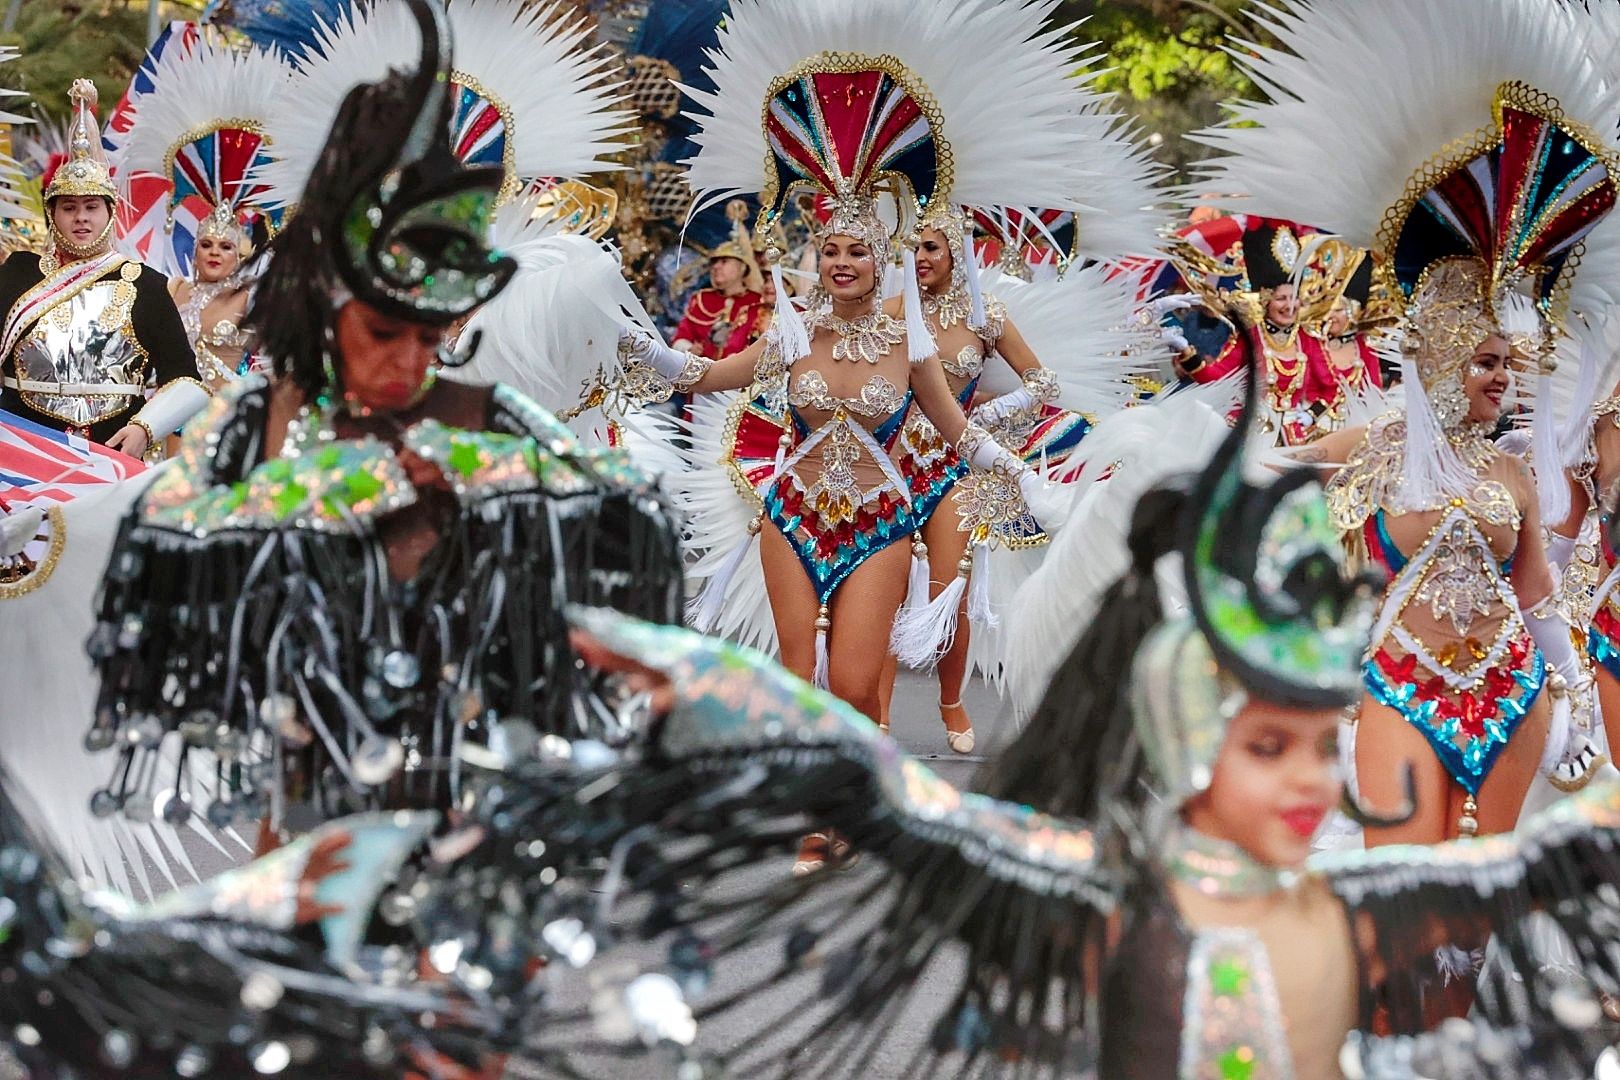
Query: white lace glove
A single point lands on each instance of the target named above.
(999, 408)
(642, 347)
(1560, 549)
(654, 372)
(1040, 386)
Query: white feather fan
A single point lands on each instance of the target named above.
(561, 93)
(1363, 92)
(556, 325)
(204, 85)
(1082, 327)
(1170, 436)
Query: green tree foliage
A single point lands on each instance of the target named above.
(1167, 61)
(62, 40)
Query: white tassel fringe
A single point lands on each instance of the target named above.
(980, 612)
(975, 290)
(917, 588)
(703, 610)
(1431, 471)
(819, 678)
(923, 634)
(794, 337)
(1552, 486)
(920, 344)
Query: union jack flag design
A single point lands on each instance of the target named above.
(42, 466)
(143, 218)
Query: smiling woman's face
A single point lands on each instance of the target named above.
(848, 268)
(1487, 378)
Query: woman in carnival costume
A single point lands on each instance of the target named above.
(356, 570)
(1147, 908)
(1087, 374)
(202, 128)
(1471, 672)
(860, 104)
(1259, 288)
(1355, 319)
(88, 333)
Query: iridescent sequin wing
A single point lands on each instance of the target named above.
(697, 829)
(1553, 881)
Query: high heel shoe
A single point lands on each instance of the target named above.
(960, 742)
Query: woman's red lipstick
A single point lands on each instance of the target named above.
(1304, 821)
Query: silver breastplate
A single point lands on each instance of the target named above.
(86, 346)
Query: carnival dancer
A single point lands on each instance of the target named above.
(1097, 351)
(1143, 903)
(858, 100)
(1351, 369)
(1266, 306)
(357, 569)
(202, 128)
(1471, 657)
(89, 333)
(731, 302)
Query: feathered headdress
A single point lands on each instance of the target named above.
(202, 127)
(870, 97)
(1476, 137)
(394, 218)
(528, 93)
(22, 201)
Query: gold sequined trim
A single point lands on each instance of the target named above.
(13, 587)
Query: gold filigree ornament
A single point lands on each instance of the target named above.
(988, 500)
(32, 565)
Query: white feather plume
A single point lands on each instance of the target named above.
(1172, 435)
(1363, 92)
(563, 94)
(556, 325)
(1082, 327)
(717, 518)
(198, 87)
(45, 716)
(14, 204)
(1024, 126)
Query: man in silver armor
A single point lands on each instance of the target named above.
(88, 332)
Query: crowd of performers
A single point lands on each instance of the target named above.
(538, 669)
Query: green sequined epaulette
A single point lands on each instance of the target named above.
(328, 489)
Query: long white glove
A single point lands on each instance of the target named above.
(1040, 386)
(1153, 312)
(174, 403)
(1569, 750)
(638, 345)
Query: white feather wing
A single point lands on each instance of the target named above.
(1363, 92)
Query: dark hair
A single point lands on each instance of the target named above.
(292, 308)
(1078, 752)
